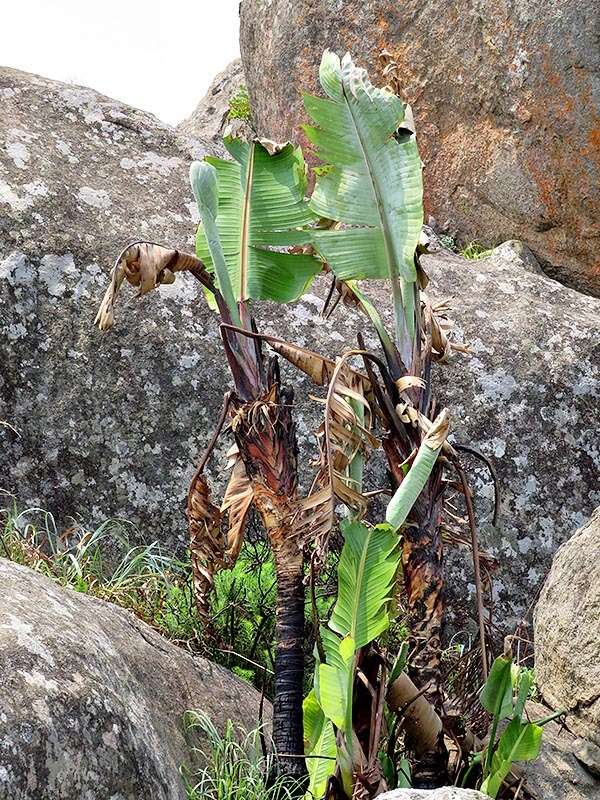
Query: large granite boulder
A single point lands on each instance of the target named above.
(559, 773)
(112, 424)
(506, 98)
(210, 118)
(93, 700)
(567, 631)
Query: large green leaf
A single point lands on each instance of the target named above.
(366, 573)
(520, 741)
(421, 468)
(203, 178)
(261, 206)
(319, 743)
(370, 180)
(313, 718)
(335, 687)
(497, 694)
(322, 764)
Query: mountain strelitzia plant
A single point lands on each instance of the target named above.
(260, 239)
(249, 206)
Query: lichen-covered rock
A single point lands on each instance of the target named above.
(210, 117)
(112, 424)
(557, 773)
(567, 631)
(93, 700)
(506, 98)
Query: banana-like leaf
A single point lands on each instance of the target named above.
(261, 206)
(313, 719)
(204, 181)
(370, 180)
(319, 743)
(521, 741)
(335, 687)
(497, 694)
(525, 682)
(411, 487)
(321, 768)
(366, 573)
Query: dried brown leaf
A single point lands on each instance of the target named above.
(237, 501)
(207, 543)
(145, 265)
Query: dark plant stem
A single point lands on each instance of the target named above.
(289, 660)
(266, 437)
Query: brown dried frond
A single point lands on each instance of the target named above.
(441, 325)
(318, 368)
(145, 265)
(237, 501)
(342, 435)
(207, 543)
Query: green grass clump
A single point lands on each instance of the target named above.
(235, 766)
(102, 563)
(239, 105)
(474, 251)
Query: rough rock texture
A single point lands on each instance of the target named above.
(506, 97)
(445, 793)
(557, 774)
(93, 700)
(112, 424)
(567, 631)
(209, 118)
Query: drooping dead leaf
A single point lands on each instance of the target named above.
(318, 368)
(438, 432)
(207, 543)
(145, 265)
(441, 325)
(408, 381)
(344, 435)
(237, 501)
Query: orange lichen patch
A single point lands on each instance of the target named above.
(592, 150)
(548, 188)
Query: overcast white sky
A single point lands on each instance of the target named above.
(158, 55)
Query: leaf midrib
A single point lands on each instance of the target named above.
(393, 268)
(245, 223)
(382, 215)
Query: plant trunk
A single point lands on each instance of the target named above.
(266, 438)
(289, 660)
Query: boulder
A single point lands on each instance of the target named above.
(210, 117)
(506, 98)
(557, 773)
(567, 632)
(113, 424)
(93, 700)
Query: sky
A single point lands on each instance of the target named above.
(157, 55)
